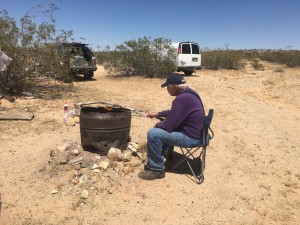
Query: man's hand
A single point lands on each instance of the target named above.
(152, 115)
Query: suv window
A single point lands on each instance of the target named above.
(186, 49)
(195, 49)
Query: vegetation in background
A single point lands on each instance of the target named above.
(222, 59)
(291, 58)
(235, 59)
(142, 57)
(33, 48)
(256, 64)
(279, 70)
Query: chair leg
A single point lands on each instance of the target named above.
(199, 176)
(201, 166)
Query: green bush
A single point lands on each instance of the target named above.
(291, 58)
(222, 59)
(257, 65)
(279, 70)
(33, 49)
(142, 57)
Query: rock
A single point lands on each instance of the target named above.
(132, 148)
(96, 171)
(138, 155)
(83, 164)
(84, 194)
(95, 166)
(135, 162)
(75, 152)
(128, 164)
(78, 160)
(54, 191)
(76, 118)
(75, 181)
(64, 147)
(115, 154)
(118, 166)
(127, 169)
(134, 145)
(103, 164)
(127, 156)
(63, 162)
(52, 153)
(83, 178)
(71, 121)
(77, 166)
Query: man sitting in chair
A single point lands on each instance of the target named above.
(182, 126)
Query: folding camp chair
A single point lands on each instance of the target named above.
(208, 134)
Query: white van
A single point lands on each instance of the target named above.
(188, 57)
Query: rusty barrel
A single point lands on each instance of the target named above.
(102, 128)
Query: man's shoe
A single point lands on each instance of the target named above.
(151, 175)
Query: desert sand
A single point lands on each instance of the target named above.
(252, 173)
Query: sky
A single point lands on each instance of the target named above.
(233, 24)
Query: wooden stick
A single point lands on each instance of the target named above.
(139, 112)
(25, 116)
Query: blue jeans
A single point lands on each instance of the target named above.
(159, 140)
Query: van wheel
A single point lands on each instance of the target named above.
(88, 75)
(188, 73)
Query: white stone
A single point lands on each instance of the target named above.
(95, 166)
(64, 147)
(132, 148)
(75, 152)
(127, 156)
(115, 154)
(54, 191)
(103, 164)
(84, 194)
(134, 145)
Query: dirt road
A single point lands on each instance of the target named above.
(252, 173)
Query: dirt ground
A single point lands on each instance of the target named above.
(252, 173)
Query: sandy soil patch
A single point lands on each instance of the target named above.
(252, 173)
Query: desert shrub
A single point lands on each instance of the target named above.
(222, 59)
(279, 70)
(256, 64)
(291, 58)
(142, 57)
(33, 48)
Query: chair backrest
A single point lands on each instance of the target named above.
(206, 127)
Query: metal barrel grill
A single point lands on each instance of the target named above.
(102, 128)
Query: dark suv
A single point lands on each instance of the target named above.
(82, 60)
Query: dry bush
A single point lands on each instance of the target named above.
(142, 57)
(33, 48)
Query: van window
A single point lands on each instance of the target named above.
(186, 49)
(195, 49)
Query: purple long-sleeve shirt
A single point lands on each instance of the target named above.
(186, 115)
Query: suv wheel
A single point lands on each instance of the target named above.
(88, 75)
